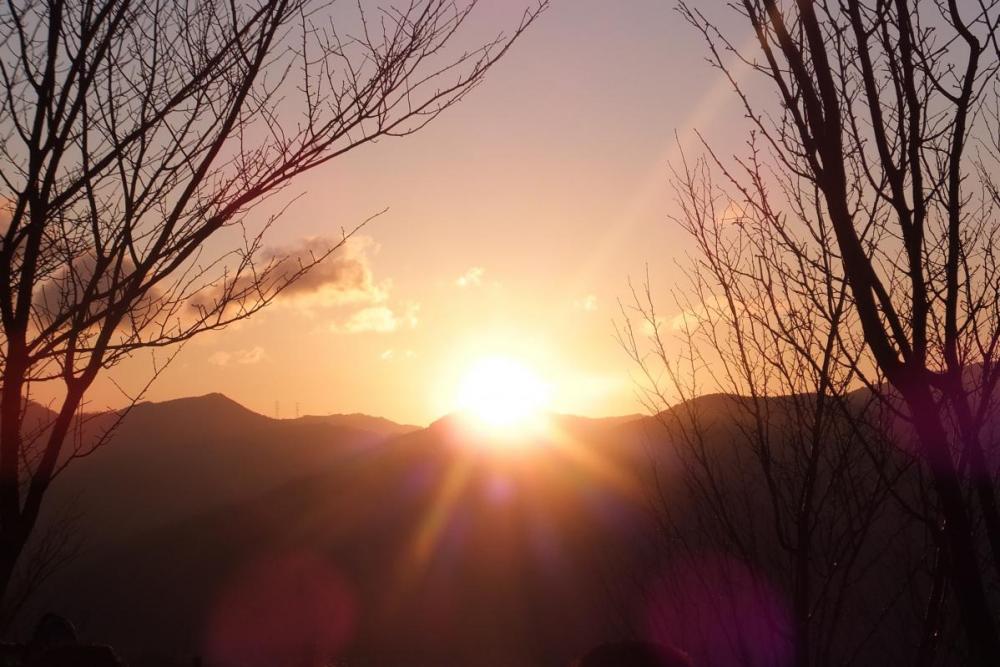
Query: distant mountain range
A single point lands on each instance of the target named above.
(449, 548)
(214, 532)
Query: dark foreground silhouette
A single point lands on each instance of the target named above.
(218, 534)
(633, 654)
(55, 644)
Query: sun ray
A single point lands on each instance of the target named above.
(427, 534)
(602, 469)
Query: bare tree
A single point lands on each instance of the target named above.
(137, 137)
(788, 471)
(887, 122)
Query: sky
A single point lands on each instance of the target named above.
(513, 225)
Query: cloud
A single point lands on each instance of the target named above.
(343, 280)
(692, 317)
(650, 327)
(587, 303)
(682, 321)
(67, 288)
(391, 355)
(345, 277)
(687, 319)
(246, 357)
(251, 356)
(220, 358)
(378, 319)
(471, 278)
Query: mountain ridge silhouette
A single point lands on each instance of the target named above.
(452, 551)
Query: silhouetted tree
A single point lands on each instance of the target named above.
(132, 135)
(885, 144)
(788, 471)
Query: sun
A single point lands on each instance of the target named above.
(503, 394)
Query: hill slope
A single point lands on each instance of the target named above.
(251, 542)
(169, 461)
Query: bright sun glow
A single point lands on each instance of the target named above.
(503, 394)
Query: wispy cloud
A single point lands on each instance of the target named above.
(692, 317)
(249, 356)
(379, 319)
(392, 355)
(652, 327)
(471, 278)
(586, 303)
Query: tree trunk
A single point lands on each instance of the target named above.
(965, 570)
(11, 546)
(11, 534)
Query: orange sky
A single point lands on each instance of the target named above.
(514, 223)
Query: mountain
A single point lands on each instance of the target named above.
(218, 533)
(169, 461)
(447, 544)
(378, 425)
